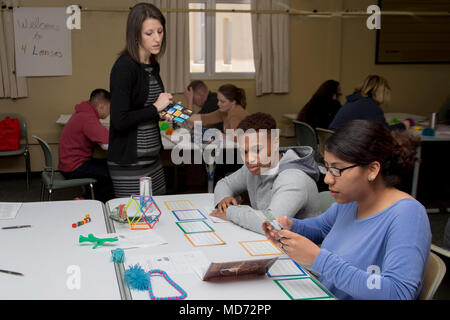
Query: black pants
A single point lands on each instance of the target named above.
(96, 169)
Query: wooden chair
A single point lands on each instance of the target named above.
(434, 273)
(323, 135)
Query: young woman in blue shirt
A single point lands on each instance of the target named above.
(375, 239)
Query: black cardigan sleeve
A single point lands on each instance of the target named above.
(125, 115)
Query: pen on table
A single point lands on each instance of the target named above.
(11, 272)
(18, 227)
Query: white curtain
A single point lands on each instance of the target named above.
(271, 46)
(175, 61)
(10, 85)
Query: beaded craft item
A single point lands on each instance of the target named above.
(170, 281)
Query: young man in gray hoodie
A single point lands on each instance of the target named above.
(284, 183)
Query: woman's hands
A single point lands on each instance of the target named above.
(272, 234)
(163, 101)
(296, 246)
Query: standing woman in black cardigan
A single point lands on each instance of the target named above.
(137, 97)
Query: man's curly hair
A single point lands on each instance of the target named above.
(258, 121)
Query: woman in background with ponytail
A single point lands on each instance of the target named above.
(375, 240)
(231, 102)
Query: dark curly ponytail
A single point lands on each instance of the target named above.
(364, 141)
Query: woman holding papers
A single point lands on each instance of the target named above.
(375, 240)
(137, 97)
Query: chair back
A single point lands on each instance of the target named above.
(323, 135)
(22, 122)
(434, 273)
(305, 135)
(325, 200)
(48, 155)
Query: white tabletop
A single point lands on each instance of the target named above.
(50, 257)
(256, 288)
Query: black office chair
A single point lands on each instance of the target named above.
(23, 148)
(53, 180)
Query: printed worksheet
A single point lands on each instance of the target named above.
(286, 267)
(194, 226)
(177, 262)
(8, 210)
(179, 205)
(204, 239)
(303, 289)
(260, 248)
(193, 214)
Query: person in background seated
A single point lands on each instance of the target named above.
(198, 94)
(232, 102)
(375, 239)
(365, 103)
(323, 105)
(80, 136)
(283, 183)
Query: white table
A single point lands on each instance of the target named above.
(257, 288)
(50, 257)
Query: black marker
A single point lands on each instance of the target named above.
(17, 227)
(11, 272)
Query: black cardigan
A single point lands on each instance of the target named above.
(129, 85)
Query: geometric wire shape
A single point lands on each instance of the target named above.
(142, 204)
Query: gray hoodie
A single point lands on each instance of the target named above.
(290, 190)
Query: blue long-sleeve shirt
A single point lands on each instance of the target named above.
(395, 241)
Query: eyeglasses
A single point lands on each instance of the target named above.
(335, 172)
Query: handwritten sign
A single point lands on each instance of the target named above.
(43, 44)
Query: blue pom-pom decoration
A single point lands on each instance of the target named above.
(118, 256)
(136, 278)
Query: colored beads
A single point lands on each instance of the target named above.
(170, 281)
(87, 218)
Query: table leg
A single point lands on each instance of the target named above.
(415, 180)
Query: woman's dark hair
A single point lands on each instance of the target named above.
(138, 14)
(365, 141)
(233, 93)
(325, 92)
